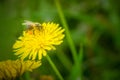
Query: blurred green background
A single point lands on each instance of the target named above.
(94, 23)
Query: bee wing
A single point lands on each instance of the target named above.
(27, 23)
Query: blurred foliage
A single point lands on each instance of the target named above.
(94, 23)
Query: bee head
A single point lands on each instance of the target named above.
(37, 24)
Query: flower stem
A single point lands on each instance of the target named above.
(54, 68)
(68, 36)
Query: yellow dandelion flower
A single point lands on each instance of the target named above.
(37, 39)
(10, 70)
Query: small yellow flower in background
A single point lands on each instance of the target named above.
(37, 39)
(11, 69)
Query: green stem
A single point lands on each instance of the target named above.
(54, 68)
(68, 36)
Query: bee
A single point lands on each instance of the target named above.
(31, 25)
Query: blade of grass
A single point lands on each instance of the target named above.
(77, 73)
(68, 36)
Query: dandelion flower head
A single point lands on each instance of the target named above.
(10, 70)
(37, 39)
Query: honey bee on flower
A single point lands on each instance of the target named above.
(31, 25)
(38, 39)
